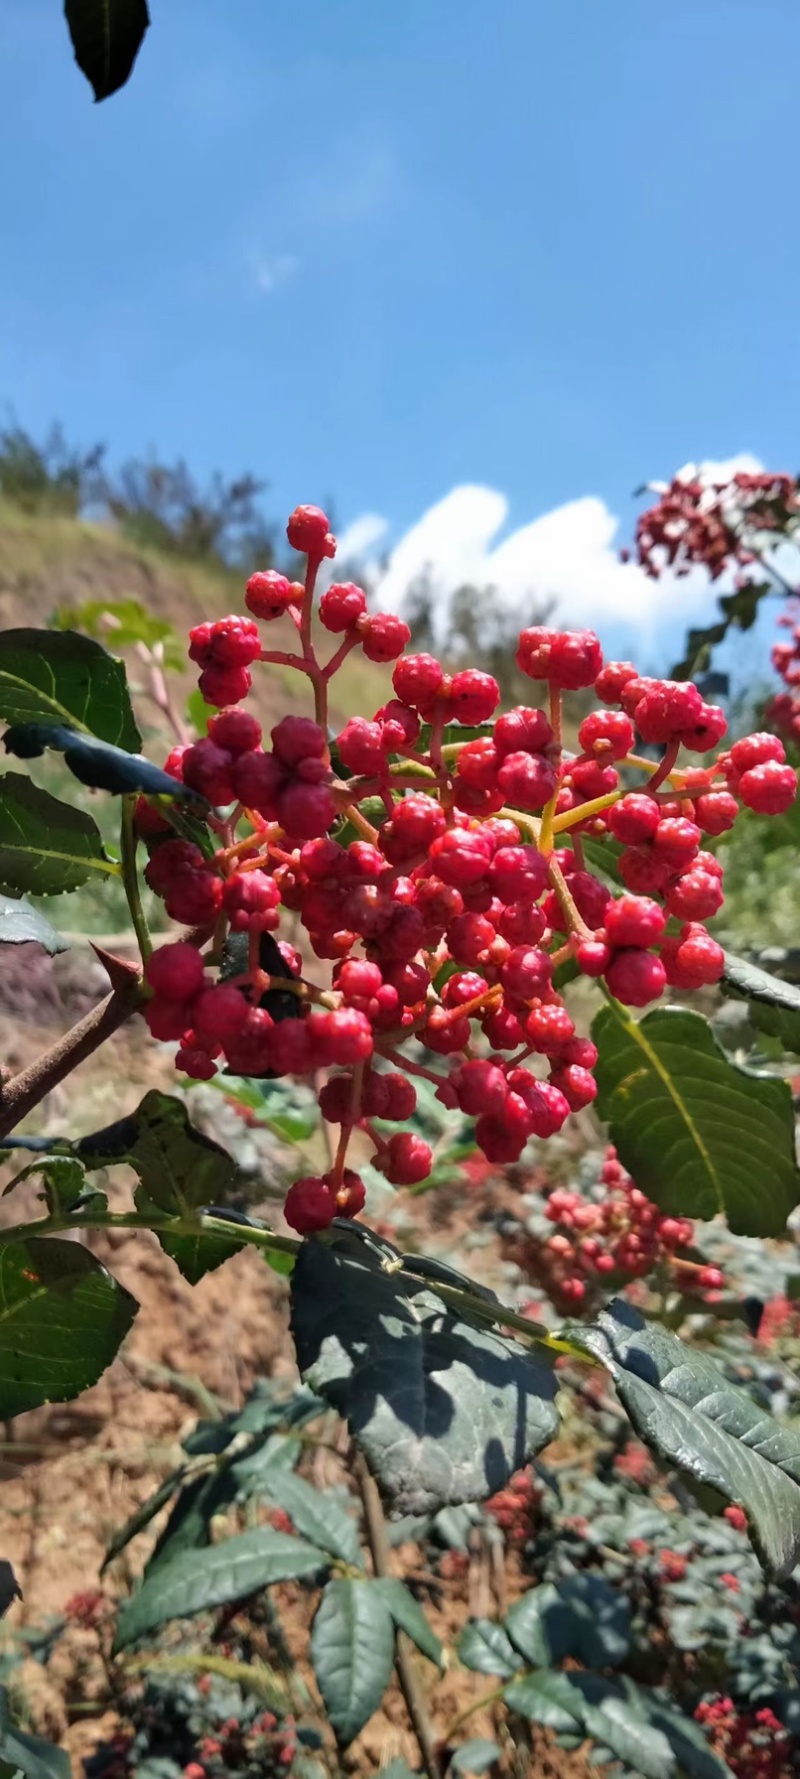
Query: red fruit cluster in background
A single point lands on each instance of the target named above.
(696, 523)
(730, 527)
(754, 1744)
(444, 920)
(617, 1238)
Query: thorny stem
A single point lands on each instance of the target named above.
(25, 1090)
(130, 877)
(378, 1542)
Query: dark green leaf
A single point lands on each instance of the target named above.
(27, 1754)
(58, 676)
(106, 37)
(774, 1005)
(179, 1171)
(444, 1409)
(352, 1649)
(698, 1135)
(546, 1698)
(63, 1181)
(20, 923)
(316, 1514)
(581, 1616)
(408, 1616)
(198, 1580)
(683, 1407)
(98, 764)
(45, 846)
(62, 1319)
(485, 1647)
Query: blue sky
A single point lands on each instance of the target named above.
(374, 253)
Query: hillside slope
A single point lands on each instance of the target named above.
(48, 562)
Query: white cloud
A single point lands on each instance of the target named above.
(569, 556)
(271, 272)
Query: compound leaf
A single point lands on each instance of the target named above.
(698, 1135)
(683, 1407)
(581, 1616)
(198, 1580)
(408, 1616)
(62, 1319)
(444, 1409)
(59, 676)
(317, 1514)
(45, 846)
(484, 1646)
(179, 1171)
(352, 1648)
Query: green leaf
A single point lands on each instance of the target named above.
(198, 1580)
(45, 846)
(106, 37)
(63, 1180)
(58, 676)
(773, 1005)
(546, 1698)
(20, 923)
(581, 1616)
(408, 1616)
(180, 1170)
(683, 1406)
(62, 1319)
(444, 1409)
(131, 622)
(317, 1514)
(27, 1754)
(485, 1647)
(352, 1649)
(98, 764)
(698, 1135)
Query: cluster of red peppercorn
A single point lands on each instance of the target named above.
(754, 1744)
(621, 1236)
(697, 523)
(514, 1508)
(445, 913)
(783, 711)
(722, 527)
(264, 1743)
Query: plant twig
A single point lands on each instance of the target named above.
(25, 1090)
(409, 1683)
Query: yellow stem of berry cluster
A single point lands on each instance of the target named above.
(576, 923)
